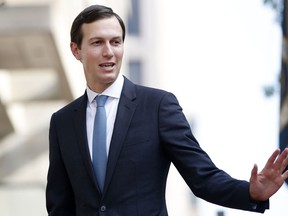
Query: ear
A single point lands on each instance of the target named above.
(75, 50)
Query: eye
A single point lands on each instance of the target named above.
(95, 43)
(117, 42)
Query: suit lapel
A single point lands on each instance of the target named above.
(81, 135)
(125, 113)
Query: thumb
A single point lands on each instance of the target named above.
(254, 173)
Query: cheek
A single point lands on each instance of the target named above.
(91, 57)
(119, 55)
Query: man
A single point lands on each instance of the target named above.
(146, 131)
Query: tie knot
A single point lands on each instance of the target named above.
(101, 100)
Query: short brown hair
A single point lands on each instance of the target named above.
(89, 15)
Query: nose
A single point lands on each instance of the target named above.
(107, 50)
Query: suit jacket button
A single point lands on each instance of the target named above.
(103, 208)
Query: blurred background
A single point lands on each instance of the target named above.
(225, 61)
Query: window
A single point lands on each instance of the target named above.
(133, 26)
(135, 71)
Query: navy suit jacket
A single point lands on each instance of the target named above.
(150, 132)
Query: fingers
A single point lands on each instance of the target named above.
(285, 175)
(272, 159)
(278, 164)
(282, 161)
(284, 165)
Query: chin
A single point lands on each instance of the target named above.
(111, 77)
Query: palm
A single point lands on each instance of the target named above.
(267, 182)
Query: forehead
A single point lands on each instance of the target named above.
(108, 27)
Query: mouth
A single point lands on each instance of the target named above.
(107, 65)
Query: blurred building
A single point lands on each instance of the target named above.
(39, 75)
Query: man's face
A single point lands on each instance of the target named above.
(101, 52)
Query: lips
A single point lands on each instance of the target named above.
(107, 65)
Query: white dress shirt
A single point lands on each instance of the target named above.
(111, 105)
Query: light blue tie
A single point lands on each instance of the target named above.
(99, 141)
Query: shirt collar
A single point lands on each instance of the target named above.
(113, 91)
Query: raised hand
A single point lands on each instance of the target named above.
(267, 182)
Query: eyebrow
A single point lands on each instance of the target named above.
(101, 38)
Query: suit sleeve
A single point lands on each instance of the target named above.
(59, 193)
(195, 166)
